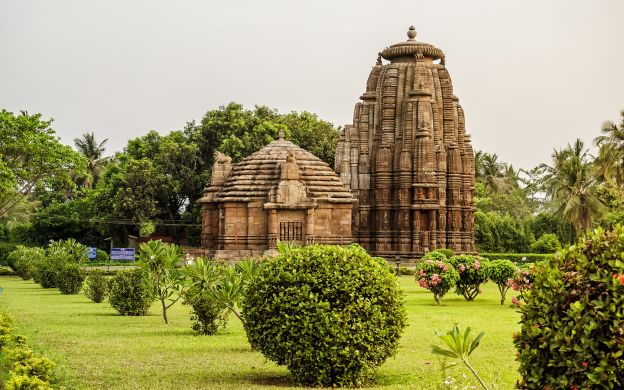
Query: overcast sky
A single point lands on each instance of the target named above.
(531, 75)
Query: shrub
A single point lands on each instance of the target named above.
(500, 272)
(69, 250)
(96, 286)
(101, 256)
(406, 271)
(438, 254)
(209, 313)
(25, 382)
(6, 329)
(24, 260)
(472, 273)
(25, 362)
(130, 293)
(547, 243)
(69, 279)
(571, 334)
(438, 276)
(521, 282)
(5, 249)
(330, 314)
(45, 273)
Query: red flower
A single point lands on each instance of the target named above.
(584, 364)
(621, 277)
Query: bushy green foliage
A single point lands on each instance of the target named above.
(68, 250)
(5, 249)
(46, 272)
(24, 260)
(438, 254)
(131, 293)
(330, 314)
(69, 279)
(6, 329)
(498, 233)
(571, 334)
(160, 261)
(25, 362)
(407, 271)
(437, 276)
(96, 286)
(499, 272)
(473, 271)
(25, 382)
(547, 243)
(101, 256)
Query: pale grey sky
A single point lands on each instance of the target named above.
(531, 75)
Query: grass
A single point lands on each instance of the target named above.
(96, 349)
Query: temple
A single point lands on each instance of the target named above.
(407, 158)
(280, 193)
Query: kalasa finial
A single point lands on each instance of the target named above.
(411, 33)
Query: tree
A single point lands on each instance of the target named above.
(93, 151)
(611, 155)
(160, 260)
(31, 158)
(572, 186)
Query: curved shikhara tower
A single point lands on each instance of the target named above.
(407, 157)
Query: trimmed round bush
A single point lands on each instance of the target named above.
(96, 286)
(330, 314)
(437, 276)
(45, 273)
(69, 279)
(101, 256)
(573, 318)
(472, 273)
(501, 272)
(131, 293)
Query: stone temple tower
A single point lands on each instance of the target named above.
(407, 157)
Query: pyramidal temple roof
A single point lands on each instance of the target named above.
(257, 174)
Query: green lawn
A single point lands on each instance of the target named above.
(97, 349)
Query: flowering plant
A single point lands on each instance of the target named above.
(521, 282)
(473, 271)
(438, 276)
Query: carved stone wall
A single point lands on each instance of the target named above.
(407, 157)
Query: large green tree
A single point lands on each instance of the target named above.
(32, 158)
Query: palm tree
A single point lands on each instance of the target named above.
(489, 170)
(611, 156)
(571, 184)
(93, 151)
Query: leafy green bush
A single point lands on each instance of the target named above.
(24, 259)
(209, 313)
(500, 272)
(571, 335)
(472, 273)
(6, 329)
(25, 382)
(437, 276)
(101, 256)
(69, 250)
(330, 314)
(5, 249)
(96, 286)
(130, 293)
(438, 254)
(46, 272)
(547, 243)
(25, 362)
(407, 271)
(69, 279)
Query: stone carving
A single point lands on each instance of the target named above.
(280, 193)
(408, 140)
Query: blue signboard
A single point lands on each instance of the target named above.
(91, 252)
(122, 253)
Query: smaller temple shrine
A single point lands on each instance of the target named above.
(282, 192)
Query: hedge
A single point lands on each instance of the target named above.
(517, 257)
